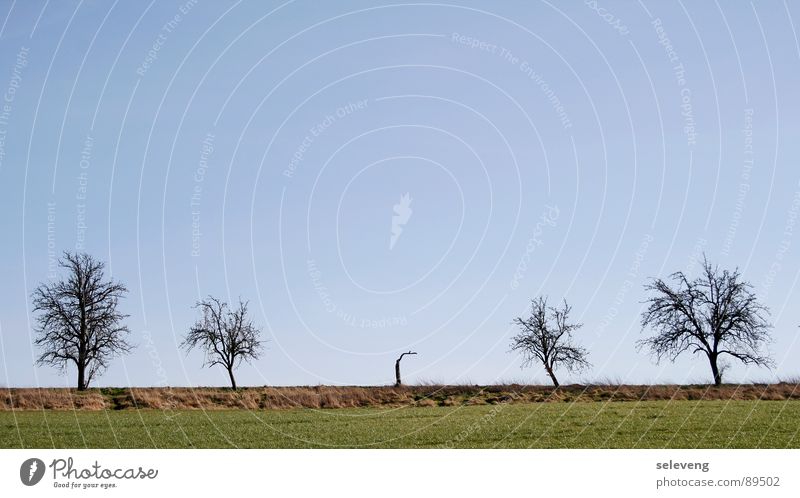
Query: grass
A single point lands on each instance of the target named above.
(428, 395)
(639, 424)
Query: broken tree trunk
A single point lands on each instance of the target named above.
(399, 382)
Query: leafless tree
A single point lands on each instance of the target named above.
(399, 382)
(78, 320)
(226, 336)
(714, 314)
(546, 338)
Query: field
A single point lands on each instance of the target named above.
(694, 417)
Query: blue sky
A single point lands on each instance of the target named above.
(258, 149)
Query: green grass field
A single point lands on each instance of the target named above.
(647, 424)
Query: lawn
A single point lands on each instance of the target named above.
(645, 424)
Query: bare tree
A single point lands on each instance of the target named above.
(226, 336)
(714, 314)
(78, 318)
(546, 338)
(399, 382)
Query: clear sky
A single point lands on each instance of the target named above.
(258, 149)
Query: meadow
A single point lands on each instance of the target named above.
(487, 420)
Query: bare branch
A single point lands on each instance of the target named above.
(78, 321)
(714, 314)
(546, 338)
(226, 336)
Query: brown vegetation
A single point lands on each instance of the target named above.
(277, 398)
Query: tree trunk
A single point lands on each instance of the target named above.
(81, 377)
(398, 382)
(233, 380)
(712, 358)
(81, 361)
(552, 375)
